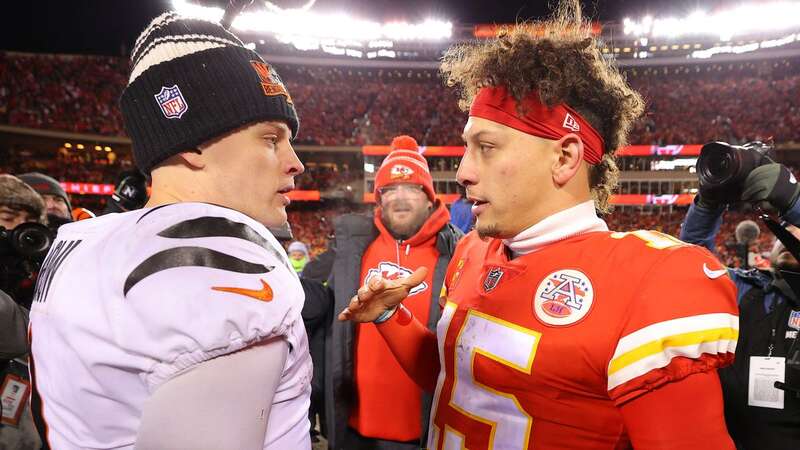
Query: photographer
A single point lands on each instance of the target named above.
(761, 418)
(57, 205)
(19, 204)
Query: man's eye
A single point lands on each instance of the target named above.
(271, 139)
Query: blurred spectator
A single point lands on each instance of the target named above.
(461, 212)
(57, 204)
(298, 255)
(19, 203)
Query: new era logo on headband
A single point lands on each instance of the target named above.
(570, 123)
(171, 102)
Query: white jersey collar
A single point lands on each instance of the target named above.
(564, 224)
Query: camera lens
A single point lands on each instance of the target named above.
(31, 240)
(718, 164)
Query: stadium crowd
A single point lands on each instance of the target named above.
(347, 106)
(357, 107)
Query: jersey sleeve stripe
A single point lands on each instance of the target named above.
(663, 359)
(674, 327)
(190, 257)
(656, 345)
(677, 341)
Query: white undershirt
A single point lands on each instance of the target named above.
(564, 224)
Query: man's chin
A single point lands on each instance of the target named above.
(487, 231)
(274, 219)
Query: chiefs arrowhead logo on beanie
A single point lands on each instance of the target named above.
(191, 81)
(405, 165)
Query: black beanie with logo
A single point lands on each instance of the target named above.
(191, 81)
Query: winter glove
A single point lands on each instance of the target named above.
(772, 183)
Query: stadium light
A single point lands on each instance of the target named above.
(98, 148)
(307, 30)
(725, 24)
(745, 48)
(79, 146)
(67, 145)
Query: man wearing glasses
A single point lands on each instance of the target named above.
(410, 229)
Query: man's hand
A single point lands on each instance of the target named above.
(380, 294)
(771, 183)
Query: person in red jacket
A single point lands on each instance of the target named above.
(409, 229)
(556, 332)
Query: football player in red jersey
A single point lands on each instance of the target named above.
(556, 332)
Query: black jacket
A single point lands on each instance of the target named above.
(354, 233)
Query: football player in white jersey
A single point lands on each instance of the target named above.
(178, 326)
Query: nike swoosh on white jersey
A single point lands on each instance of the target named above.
(713, 274)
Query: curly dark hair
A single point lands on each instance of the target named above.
(561, 60)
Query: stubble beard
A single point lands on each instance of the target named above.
(406, 230)
(488, 231)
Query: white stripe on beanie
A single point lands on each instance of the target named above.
(175, 41)
(158, 22)
(170, 47)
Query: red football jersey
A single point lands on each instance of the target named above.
(539, 351)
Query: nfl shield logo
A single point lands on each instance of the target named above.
(794, 320)
(492, 278)
(171, 102)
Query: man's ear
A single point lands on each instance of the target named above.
(570, 158)
(194, 159)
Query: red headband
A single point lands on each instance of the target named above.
(497, 105)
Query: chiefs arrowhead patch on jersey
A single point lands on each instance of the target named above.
(563, 297)
(391, 271)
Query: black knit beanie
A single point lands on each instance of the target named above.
(45, 185)
(191, 81)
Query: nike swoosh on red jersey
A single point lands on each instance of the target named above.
(264, 294)
(714, 274)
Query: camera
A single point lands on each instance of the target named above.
(22, 252)
(722, 168)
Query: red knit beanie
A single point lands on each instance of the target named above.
(404, 166)
(405, 142)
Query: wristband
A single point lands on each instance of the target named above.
(402, 313)
(386, 315)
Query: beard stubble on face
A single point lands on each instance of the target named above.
(488, 231)
(403, 230)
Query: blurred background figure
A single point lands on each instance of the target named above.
(298, 255)
(57, 204)
(461, 212)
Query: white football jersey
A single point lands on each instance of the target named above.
(124, 302)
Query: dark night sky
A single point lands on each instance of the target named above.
(102, 26)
